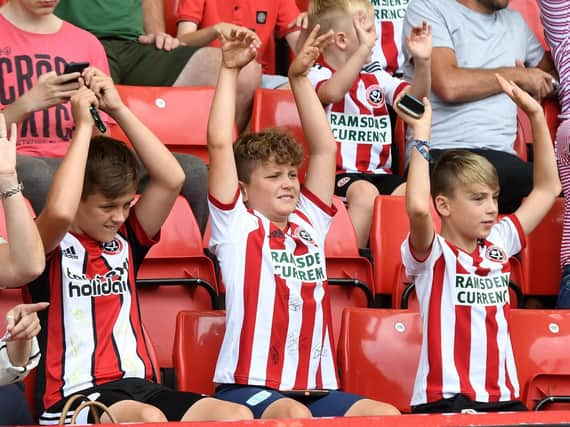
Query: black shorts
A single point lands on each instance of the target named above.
(385, 183)
(459, 402)
(172, 403)
(133, 63)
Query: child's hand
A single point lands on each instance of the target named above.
(239, 48)
(310, 52)
(522, 98)
(22, 322)
(365, 31)
(103, 87)
(80, 103)
(422, 124)
(7, 153)
(418, 42)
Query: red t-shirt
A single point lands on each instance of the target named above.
(262, 16)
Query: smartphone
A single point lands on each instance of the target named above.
(75, 67)
(411, 105)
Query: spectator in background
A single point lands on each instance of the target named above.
(141, 53)
(555, 15)
(389, 19)
(356, 98)
(35, 94)
(472, 41)
(21, 260)
(200, 20)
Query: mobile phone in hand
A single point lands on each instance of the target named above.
(411, 105)
(75, 67)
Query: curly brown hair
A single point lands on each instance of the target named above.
(275, 145)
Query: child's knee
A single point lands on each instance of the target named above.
(369, 407)
(286, 408)
(151, 414)
(361, 194)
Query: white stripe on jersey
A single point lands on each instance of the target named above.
(78, 325)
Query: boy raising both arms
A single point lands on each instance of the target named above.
(269, 235)
(467, 360)
(92, 338)
(355, 97)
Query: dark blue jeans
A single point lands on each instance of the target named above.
(14, 408)
(563, 300)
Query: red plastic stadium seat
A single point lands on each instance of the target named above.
(390, 227)
(349, 275)
(198, 339)
(175, 275)
(551, 111)
(531, 13)
(378, 354)
(170, 7)
(276, 109)
(541, 257)
(404, 294)
(303, 5)
(541, 339)
(169, 112)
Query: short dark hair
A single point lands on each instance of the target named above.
(272, 144)
(111, 168)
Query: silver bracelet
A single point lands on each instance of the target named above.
(11, 191)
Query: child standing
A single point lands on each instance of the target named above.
(356, 96)
(467, 360)
(92, 337)
(269, 235)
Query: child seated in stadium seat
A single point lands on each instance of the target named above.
(92, 337)
(356, 98)
(461, 275)
(269, 236)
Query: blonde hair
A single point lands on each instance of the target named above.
(461, 167)
(326, 13)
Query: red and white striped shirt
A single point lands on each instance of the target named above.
(278, 319)
(92, 333)
(360, 123)
(389, 19)
(464, 304)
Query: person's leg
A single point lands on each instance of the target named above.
(36, 174)
(202, 70)
(563, 161)
(210, 409)
(360, 198)
(338, 403)
(369, 408)
(563, 300)
(195, 188)
(131, 411)
(286, 408)
(14, 408)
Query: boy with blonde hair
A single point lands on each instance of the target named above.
(277, 357)
(356, 98)
(462, 275)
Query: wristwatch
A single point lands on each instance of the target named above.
(11, 191)
(423, 148)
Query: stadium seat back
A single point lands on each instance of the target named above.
(169, 112)
(389, 228)
(170, 9)
(541, 257)
(199, 336)
(349, 275)
(276, 109)
(540, 340)
(175, 275)
(378, 354)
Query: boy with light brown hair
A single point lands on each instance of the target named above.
(356, 95)
(461, 275)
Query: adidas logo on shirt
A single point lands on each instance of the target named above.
(70, 253)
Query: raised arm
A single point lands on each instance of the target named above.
(22, 258)
(546, 184)
(322, 146)
(418, 199)
(418, 43)
(237, 51)
(67, 183)
(166, 177)
(334, 89)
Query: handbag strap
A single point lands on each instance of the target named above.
(68, 405)
(93, 406)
